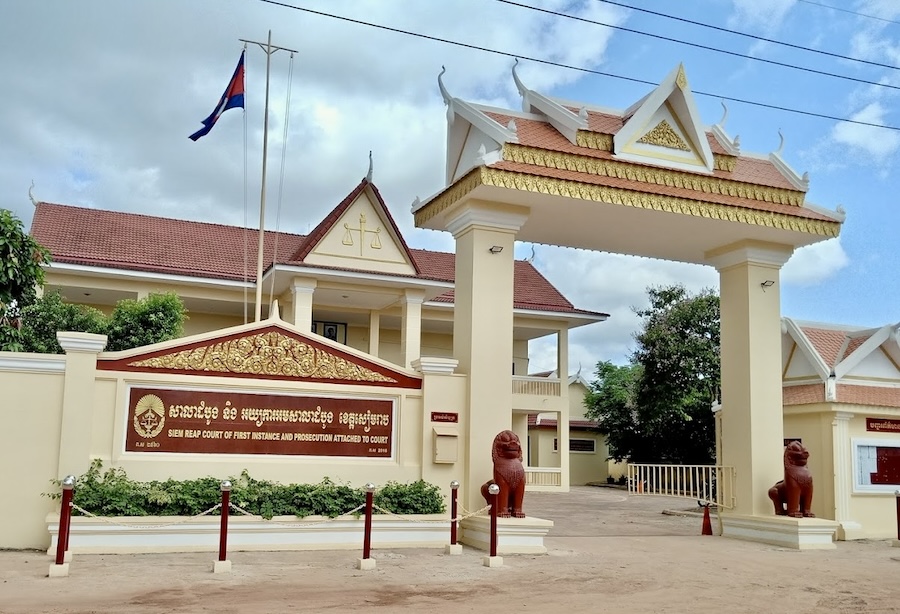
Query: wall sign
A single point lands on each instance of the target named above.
(215, 422)
(883, 425)
(444, 416)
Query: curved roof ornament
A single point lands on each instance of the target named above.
(722, 121)
(444, 93)
(369, 174)
(519, 85)
(31, 194)
(780, 144)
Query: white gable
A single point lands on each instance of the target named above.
(362, 239)
(664, 129)
(798, 367)
(877, 365)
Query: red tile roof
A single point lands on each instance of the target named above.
(129, 241)
(827, 342)
(879, 396)
(803, 395)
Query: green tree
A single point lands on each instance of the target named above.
(611, 401)
(135, 323)
(678, 351)
(658, 407)
(49, 314)
(21, 273)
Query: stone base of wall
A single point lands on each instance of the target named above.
(514, 535)
(799, 533)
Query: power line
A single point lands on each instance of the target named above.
(834, 8)
(570, 67)
(753, 36)
(704, 47)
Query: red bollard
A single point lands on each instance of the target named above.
(65, 519)
(493, 490)
(367, 536)
(897, 494)
(223, 525)
(454, 488)
(707, 524)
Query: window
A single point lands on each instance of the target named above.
(876, 465)
(335, 331)
(586, 446)
(555, 444)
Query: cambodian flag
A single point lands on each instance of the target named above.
(233, 97)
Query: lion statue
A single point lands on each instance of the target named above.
(509, 475)
(793, 495)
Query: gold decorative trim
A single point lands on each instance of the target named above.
(658, 176)
(722, 162)
(594, 140)
(681, 78)
(664, 135)
(268, 353)
(618, 196)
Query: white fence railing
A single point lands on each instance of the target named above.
(543, 386)
(539, 476)
(713, 484)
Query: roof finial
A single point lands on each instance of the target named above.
(724, 114)
(444, 93)
(369, 174)
(519, 85)
(31, 194)
(780, 144)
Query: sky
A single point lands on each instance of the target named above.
(101, 95)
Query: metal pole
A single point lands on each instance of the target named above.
(262, 188)
(367, 535)
(454, 490)
(493, 490)
(223, 526)
(65, 516)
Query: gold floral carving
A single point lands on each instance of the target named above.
(645, 174)
(450, 196)
(681, 78)
(594, 140)
(724, 163)
(269, 353)
(629, 198)
(664, 135)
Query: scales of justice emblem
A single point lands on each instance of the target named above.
(149, 416)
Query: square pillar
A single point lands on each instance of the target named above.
(843, 477)
(302, 291)
(78, 400)
(411, 326)
(562, 370)
(752, 418)
(483, 328)
(374, 332)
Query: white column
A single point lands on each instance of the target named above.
(302, 290)
(562, 368)
(752, 421)
(374, 332)
(78, 400)
(840, 434)
(411, 326)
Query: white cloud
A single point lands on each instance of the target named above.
(765, 15)
(876, 143)
(815, 263)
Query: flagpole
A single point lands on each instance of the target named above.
(269, 49)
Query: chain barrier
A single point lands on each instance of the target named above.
(308, 523)
(438, 521)
(161, 525)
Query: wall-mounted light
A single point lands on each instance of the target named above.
(495, 249)
(767, 284)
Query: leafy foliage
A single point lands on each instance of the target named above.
(49, 314)
(135, 323)
(21, 273)
(658, 409)
(111, 493)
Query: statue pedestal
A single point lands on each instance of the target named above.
(799, 533)
(514, 535)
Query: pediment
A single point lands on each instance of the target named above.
(664, 129)
(270, 350)
(362, 237)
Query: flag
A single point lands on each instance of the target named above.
(233, 97)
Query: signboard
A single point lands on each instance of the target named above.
(215, 422)
(883, 425)
(444, 416)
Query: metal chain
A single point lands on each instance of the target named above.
(442, 520)
(144, 526)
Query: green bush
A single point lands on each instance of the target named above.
(159, 317)
(49, 314)
(110, 493)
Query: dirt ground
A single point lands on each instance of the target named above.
(608, 552)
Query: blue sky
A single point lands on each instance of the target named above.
(101, 96)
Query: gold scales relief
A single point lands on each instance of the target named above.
(269, 353)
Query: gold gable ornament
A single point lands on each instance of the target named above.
(664, 135)
(268, 353)
(362, 230)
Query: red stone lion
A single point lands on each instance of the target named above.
(509, 475)
(793, 495)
